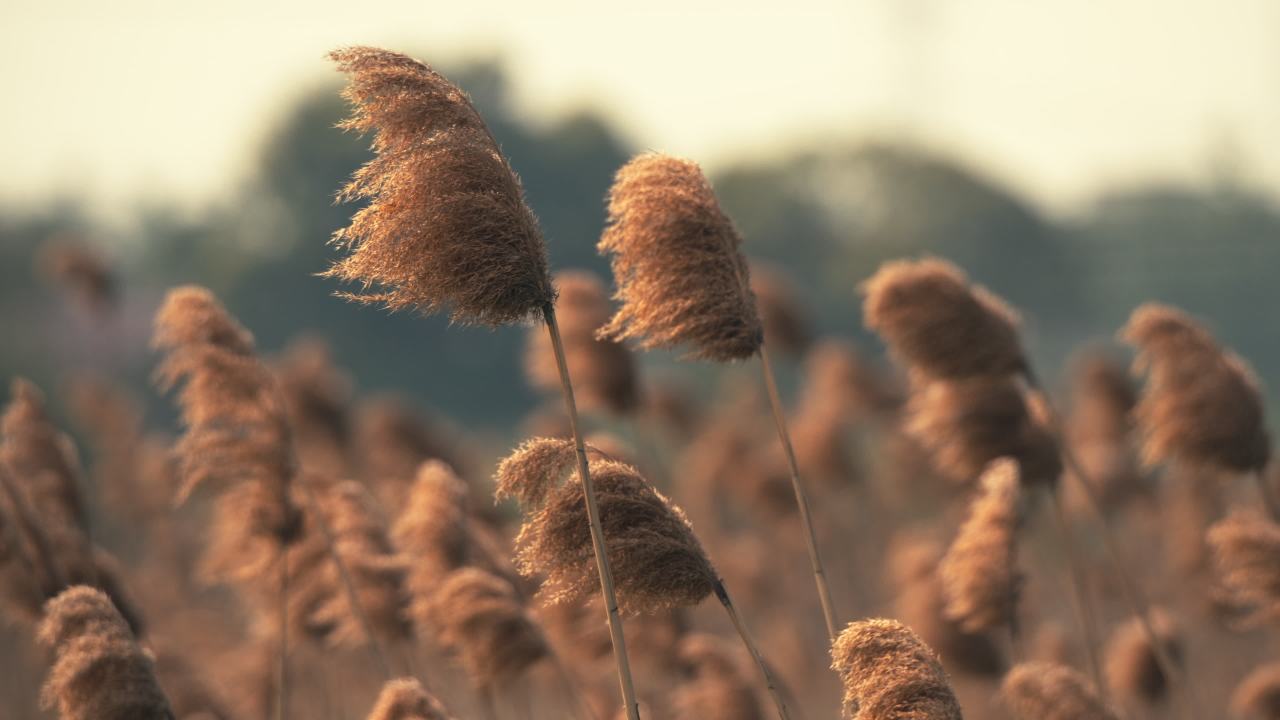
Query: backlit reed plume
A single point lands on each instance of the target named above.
(966, 424)
(405, 699)
(676, 262)
(890, 674)
(432, 530)
(716, 688)
(935, 322)
(1257, 697)
(1202, 404)
(81, 271)
(392, 440)
(782, 312)
(683, 282)
(446, 227)
(1246, 559)
(478, 617)
(604, 371)
(1099, 426)
(1132, 668)
(99, 672)
(979, 574)
(20, 581)
(317, 396)
(1045, 691)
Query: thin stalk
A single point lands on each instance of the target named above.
(1268, 499)
(348, 586)
(723, 596)
(282, 662)
(593, 517)
(1015, 631)
(1083, 604)
(811, 537)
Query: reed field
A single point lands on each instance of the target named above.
(935, 530)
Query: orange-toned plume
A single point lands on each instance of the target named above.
(890, 674)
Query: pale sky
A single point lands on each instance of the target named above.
(129, 99)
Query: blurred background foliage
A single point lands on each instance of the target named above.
(828, 215)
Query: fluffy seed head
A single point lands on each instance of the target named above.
(446, 226)
(1202, 404)
(681, 278)
(717, 689)
(41, 456)
(782, 313)
(980, 580)
(81, 271)
(405, 699)
(1246, 557)
(890, 674)
(1257, 697)
(935, 322)
(1045, 691)
(478, 617)
(1132, 666)
(99, 672)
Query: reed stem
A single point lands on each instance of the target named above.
(722, 595)
(282, 662)
(593, 517)
(811, 537)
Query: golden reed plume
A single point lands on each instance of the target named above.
(478, 617)
(405, 699)
(782, 313)
(1099, 427)
(680, 276)
(80, 270)
(99, 672)
(446, 226)
(935, 322)
(43, 457)
(1202, 404)
(432, 530)
(1246, 558)
(604, 372)
(1257, 697)
(1044, 691)
(979, 574)
(716, 689)
(890, 674)
(1132, 668)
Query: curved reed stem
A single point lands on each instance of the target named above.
(348, 586)
(723, 596)
(811, 538)
(597, 531)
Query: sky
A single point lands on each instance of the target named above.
(136, 100)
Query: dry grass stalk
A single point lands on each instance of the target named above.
(1044, 691)
(478, 617)
(979, 574)
(680, 276)
(604, 372)
(1257, 697)
(1246, 558)
(782, 313)
(99, 671)
(935, 322)
(716, 689)
(1202, 404)
(1132, 669)
(405, 699)
(891, 674)
(446, 226)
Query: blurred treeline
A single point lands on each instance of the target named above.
(829, 216)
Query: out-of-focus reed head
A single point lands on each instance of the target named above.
(979, 577)
(446, 227)
(717, 688)
(405, 699)
(1246, 558)
(891, 674)
(1132, 665)
(478, 617)
(1045, 691)
(81, 270)
(1257, 697)
(786, 321)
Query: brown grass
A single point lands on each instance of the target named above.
(979, 574)
(1044, 691)
(890, 674)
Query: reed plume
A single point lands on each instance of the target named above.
(935, 322)
(782, 313)
(1246, 558)
(716, 688)
(42, 457)
(680, 276)
(604, 372)
(20, 579)
(1257, 697)
(317, 397)
(1132, 668)
(405, 699)
(1098, 428)
(1045, 691)
(446, 227)
(392, 440)
(1202, 404)
(890, 674)
(99, 672)
(80, 271)
(432, 529)
(478, 617)
(979, 574)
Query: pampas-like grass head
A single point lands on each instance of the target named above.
(935, 322)
(42, 457)
(604, 373)
(657, 561)
(782, 313)
(446, 227)
(1045, 691)
(432, 527)
(405, 699)
(1132, 666)
(1202, 404)
(478, 617)
(1246, 557)
(966, 424)
(81, 271)
(99, 671)
(890, 674)
(979, 578)
(717, 689)
(1257, 697)
(681, 278)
